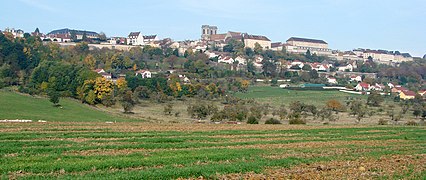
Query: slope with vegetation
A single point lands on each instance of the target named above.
(19, 106)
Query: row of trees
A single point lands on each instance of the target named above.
(297, 112)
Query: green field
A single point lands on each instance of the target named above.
(278, 96)
(18, 106)
(148, 151)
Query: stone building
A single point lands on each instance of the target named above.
(207, 31)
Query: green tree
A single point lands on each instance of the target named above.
(91, 97)
(102, 36)
(358, 109)
(307, 67)
(54, 97)
(252, 120)
(374, 99)
(258, 49)
(84, 38)
(127, 101)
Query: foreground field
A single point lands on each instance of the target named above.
(153, 151)
(278, 96)
(19, 106)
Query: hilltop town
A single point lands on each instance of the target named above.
(210, 67)
(77, 104)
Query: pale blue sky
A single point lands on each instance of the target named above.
(344, 24)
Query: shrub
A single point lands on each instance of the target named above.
(383, 122)
(296, 121)
(411, 123)
(272, 121)
(296, 118)
(252, 120)
(168, 109)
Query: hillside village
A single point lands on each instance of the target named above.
(333, 66)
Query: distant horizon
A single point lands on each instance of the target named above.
(345, 25)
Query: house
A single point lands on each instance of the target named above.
(277, 46)
(241, 60)
(378, 87)
(99, 70)
(251, 40)
(150, 39)
(297, 63)
(320, 67)
(184, 79)
(405, 95)
(391, 85)
(135, 38)
(422, 92)
(302, 45)
(116, 40)
(237, 36)
(107, 76)
(362, 86)
(16, 33)
(398, 89)
(225, 59)
(144, 73)
(386, 57)
(331, 80)
(355, 78)
(348, 67)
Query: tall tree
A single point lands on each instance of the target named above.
(258, 48)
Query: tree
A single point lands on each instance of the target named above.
(53, 97)
(84, 38)
(172, 60)
(91, 97)
(281, 112)
(90, 61)
(102, 36)
(308, 54)
(325, 113)
(358, 109)
(269, 68)
(126, 100)
(252, 120)
(121, 84)
(307, 67)
(73, 36)
(334, 105)
(102, 87)
(374, 99)
(258, 48)
(417, 112)
(168, 109)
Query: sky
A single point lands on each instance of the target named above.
(343, 24)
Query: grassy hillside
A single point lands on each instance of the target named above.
(277, 96)
(17, 106)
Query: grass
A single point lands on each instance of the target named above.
(278, 96)
(154, 151)
(18, 106)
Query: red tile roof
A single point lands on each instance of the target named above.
(409, 93)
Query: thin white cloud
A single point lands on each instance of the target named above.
(40, 5)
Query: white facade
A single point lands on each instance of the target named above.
(136, 39)
(144, 73)
(16, 33)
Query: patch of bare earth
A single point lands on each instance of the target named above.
(363, 168)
